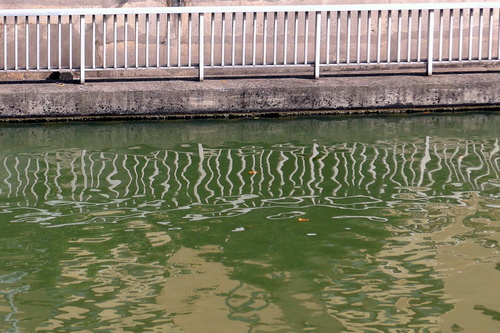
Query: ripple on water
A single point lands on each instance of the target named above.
(371, 218)
(160, 237)
(286, 215)
(355, 202)
(12, 277)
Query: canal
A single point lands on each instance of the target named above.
(331, 224)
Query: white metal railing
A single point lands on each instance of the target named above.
(107, 39)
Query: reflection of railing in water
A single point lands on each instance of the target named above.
(396, 277)
(212, 175)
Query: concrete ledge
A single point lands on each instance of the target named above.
(249, 97)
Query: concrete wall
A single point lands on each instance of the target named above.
(175, 98)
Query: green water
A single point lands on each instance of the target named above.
(369, 224)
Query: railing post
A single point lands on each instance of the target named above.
(317, 48)
(430, 42)
(82, 49)
(201, 47)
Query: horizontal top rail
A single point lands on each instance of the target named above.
(243, 9)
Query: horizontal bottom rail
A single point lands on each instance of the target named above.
(208, 67)
(249, 70)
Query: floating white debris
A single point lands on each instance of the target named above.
(238, 229)
(347, 228)
(164, 223)
(175, 228)
(311, 234)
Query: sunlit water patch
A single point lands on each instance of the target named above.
(378, 224)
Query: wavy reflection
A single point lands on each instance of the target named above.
(320, 234)
(226, 172)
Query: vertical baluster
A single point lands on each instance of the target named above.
(296, 39)
(490, 34)
(169, 32)
(59, 41)
(399, 37)
(254, 37)
(348, 43)
(179, 39)
(16, 47)
(244, 40)
(471, 25)
(450, 41)
(190, 38)
(389, 33)
(358, 45)
(419, 35)
(408, 45)
(223, 35)
(146, 53)
(70, 42)
(27, 44)
(115, 39)
(264, 39)
(37, 43)
(328, 32)
(275, 38)
(201, 46)
(212, 38)
(93, 41)
(441, 20)
(5, 43)
(125, 40)
(306, 37)
(368, 37)
(136, 32)
(158, 39)
(48, 42)
(233, 38)
(317, 46)
(104, 39)
(480, 36)
(430, 42)
(285, 41)
(82, 49)
(461, 34)
(379, 35)
(338, 37)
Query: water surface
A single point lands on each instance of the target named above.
(360, 224)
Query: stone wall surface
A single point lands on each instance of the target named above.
(249, 97)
